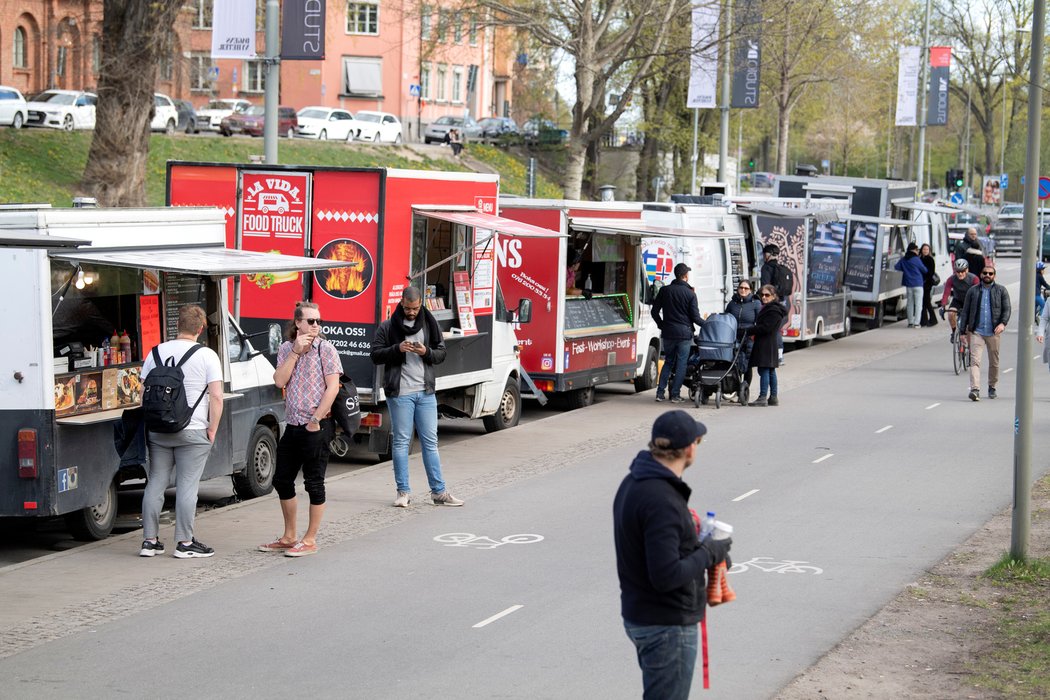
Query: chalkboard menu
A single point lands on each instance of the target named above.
(597, 312)
(179, 290)
(860, 263)
(736, 260)
(825, 259)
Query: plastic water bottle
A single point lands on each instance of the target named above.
(707, 525)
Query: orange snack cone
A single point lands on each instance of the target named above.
(714, 589)
(728, 596)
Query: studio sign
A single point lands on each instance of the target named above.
(302, 30)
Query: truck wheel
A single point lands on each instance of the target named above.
(649, 374)
(877, 321)
(846, 328)
(95, 522)
(509, 412)
(580, 398)
(257, 478)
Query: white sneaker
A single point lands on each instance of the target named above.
(402, 500)
(445, 499)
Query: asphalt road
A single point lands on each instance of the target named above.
(874, 467)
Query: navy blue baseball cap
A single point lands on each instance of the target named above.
(678, 428)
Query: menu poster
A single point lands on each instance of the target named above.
(149, 320)
(178, 290)
(464, 307)
(860, 263)
(483, 267)
(825, 259)
(88, 391)
(150, 281)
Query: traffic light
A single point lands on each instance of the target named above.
(751, 164)
(954, 179)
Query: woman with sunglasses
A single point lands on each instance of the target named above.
(764, 349)
(744, 306)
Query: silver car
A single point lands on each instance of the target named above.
(438, 129)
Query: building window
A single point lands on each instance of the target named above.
(424, 21)
(20, 48)
(60, 62)
(362, 17)
(200, 71)
(457, 28)
(457, 84)
(254, 76)
(442, 29)
(442, 73)
(96, 55)
(202, 14)
(472, 33)
(166, 71)
(424, 81)
(362, 76)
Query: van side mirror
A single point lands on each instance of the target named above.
(523, 313)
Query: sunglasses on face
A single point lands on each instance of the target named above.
(744, 289)
(987, 274)
(766, 295)
(312, 321)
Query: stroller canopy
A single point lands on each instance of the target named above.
(717, 338)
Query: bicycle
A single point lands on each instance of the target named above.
(960, 348)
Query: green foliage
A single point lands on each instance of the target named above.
(1009, 571)
(44, 165)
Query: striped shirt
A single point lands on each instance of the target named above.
(306, 386)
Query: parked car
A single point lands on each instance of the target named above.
(377, 126)
(438, 129)
(13, 111)
(252, 122)
(499, 129)
(62, 109)
(187, 117)
(763, 180)
(210, 116)
(1006, 230)
(543, 131)
(324, 123)
(165, 114)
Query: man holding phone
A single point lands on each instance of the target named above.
(408, 345)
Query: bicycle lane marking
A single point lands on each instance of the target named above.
(497, 616)
(818, 460)
(933, 405)
(883, 429)
(752, 492)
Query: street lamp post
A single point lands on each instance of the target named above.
(923, 72)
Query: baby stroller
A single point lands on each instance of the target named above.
(714, 363)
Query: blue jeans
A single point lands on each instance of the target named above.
(418, 410)
(667, 656)
(1040, 300)
(676, 354)
(767, 381)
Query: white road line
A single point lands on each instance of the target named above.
(1036, 357)
(752, 492)
(1008, 370)
(818, 460)
(883, 429)
(932, 405)
(498, 615)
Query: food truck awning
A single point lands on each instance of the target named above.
(477, 219)
(928, 206)
(31, 239)
(823, 215)
(207, 262)
(885, 221)
(635, 227)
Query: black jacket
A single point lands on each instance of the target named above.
(976, 260)
(658, 558)
(675, 311)
(385, 350)
(745, 311)
(764, 352)
(970, 315)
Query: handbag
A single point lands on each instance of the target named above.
(346, 409)
(935, 278)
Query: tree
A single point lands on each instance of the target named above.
(136, 35)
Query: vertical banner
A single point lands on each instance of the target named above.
(907, 84)
(703, 64)
(747, 58)
(940, 63)
(233, 29)
(302, 30)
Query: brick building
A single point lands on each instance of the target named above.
(375, 51)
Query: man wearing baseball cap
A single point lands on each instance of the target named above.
(660, 562)
(675, 311)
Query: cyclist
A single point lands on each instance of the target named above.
(1040, 285)
(955, 289)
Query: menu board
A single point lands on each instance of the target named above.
(597, 312)
(825, 259)
(736, 260)
(121, 387)
(179, 290)
(464, 309)
(860, 263)
(78, 393)
(149, 322)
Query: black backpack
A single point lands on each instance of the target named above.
(784, 281)
(165, 408)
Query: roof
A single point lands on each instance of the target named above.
(928, 206)
(32, 239)
(885, 220)
(637, 227)
(824, 214)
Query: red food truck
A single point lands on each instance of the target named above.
(433, 230)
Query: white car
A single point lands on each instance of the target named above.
(63, 109)
(377, 126)
(13, 110)
(166, 114)
(210, 116)
(324, 123)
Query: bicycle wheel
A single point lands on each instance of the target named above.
(966, 359)
(957, 353)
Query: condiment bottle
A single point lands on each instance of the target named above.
(125, 347)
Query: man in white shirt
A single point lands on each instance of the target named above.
(185, 452)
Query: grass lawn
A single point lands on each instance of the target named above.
(45, 165)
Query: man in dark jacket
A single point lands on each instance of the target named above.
(970, 249)
(408, 345)
(675, 311)
(659, 559)
(771, 274)
(985, 313)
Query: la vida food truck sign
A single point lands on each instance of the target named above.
(274, 206)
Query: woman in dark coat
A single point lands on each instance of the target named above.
(929, 318)
(744, 306)
(764, 351)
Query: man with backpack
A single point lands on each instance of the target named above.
(181, 428)
(780, 276)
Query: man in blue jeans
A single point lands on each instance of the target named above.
(675, 311)
(660, 561)
(408, 345)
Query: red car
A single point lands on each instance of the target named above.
(252, 120)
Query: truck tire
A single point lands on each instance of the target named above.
(649, 372)
(580, 398)
(846, 328)
(509, 412)
(257, 478)
(96, 522)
